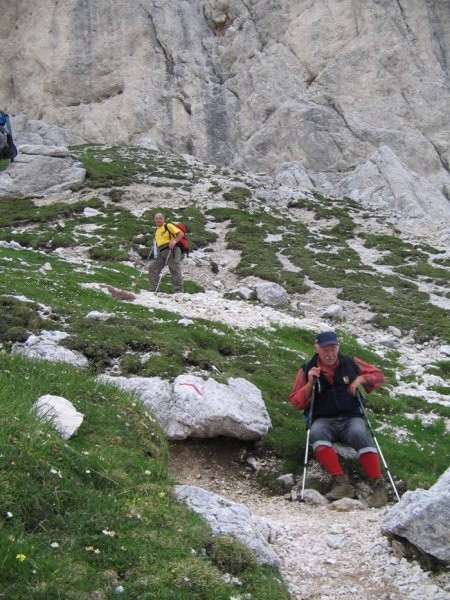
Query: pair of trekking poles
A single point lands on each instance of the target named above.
(161, 273)
(316, 388)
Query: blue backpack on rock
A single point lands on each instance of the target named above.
(7, 148)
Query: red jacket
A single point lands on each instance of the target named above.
(374, 379)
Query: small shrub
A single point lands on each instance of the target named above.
(204, 359)
(230, 555)
(16, 334)
(108, 254)
(240, 195)
(115, 195)
(197, 578)
(159, 366)
(17, 320)
(131, 364)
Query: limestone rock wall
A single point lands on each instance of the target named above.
(321, 83)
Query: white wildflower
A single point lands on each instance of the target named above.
(107, 532)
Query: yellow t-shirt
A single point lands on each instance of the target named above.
(162, 236)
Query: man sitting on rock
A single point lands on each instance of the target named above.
(337, 415)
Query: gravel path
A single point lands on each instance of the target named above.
(325, 554)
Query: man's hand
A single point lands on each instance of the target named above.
(313, 372)
(355, 384)
(174, 242)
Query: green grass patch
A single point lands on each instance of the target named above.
(86, 515)
(114, 166)
(419, 455)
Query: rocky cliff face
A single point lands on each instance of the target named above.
(336, 94)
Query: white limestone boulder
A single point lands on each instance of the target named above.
(271, 294)
(199, 408)
(230, 518)
(422, 517)
(45, 346)
(60, 412)
(39, 175)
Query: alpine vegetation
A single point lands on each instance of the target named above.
(93, 509)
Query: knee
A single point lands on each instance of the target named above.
(320, 446)
(319, 432)
(357, 437)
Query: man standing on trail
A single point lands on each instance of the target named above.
(166, 252)
(337, 414)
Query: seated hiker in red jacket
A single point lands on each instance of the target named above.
(337, 414)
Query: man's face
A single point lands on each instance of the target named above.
(159, 220)
(328, 355)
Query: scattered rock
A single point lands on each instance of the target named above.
(45, 346)
(271, 294)
(99, 316)
(60, 412)
(335, 311)
(229, 518)
(422, 517)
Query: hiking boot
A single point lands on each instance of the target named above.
(342, 488)
(379, 494)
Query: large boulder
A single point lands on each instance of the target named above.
(39, 174)
(422, 517)
(34, 132)
(44, 165)
(271, 294)
(199, 408)
(229, 518)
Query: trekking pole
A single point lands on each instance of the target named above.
(311, 408)
(360, 399)
(161, 273)
(134, 284)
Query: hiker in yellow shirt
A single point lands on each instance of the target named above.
(166, 252)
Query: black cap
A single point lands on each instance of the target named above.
(326, 338)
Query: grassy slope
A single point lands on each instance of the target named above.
(97, 512)
(116, 467)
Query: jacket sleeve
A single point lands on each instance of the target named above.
(297, 396)
(374, 378)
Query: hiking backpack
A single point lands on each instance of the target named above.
(3, 139)
(184, 242)
(8, 149)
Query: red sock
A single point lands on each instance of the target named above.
(329, 460)
(371, 465)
